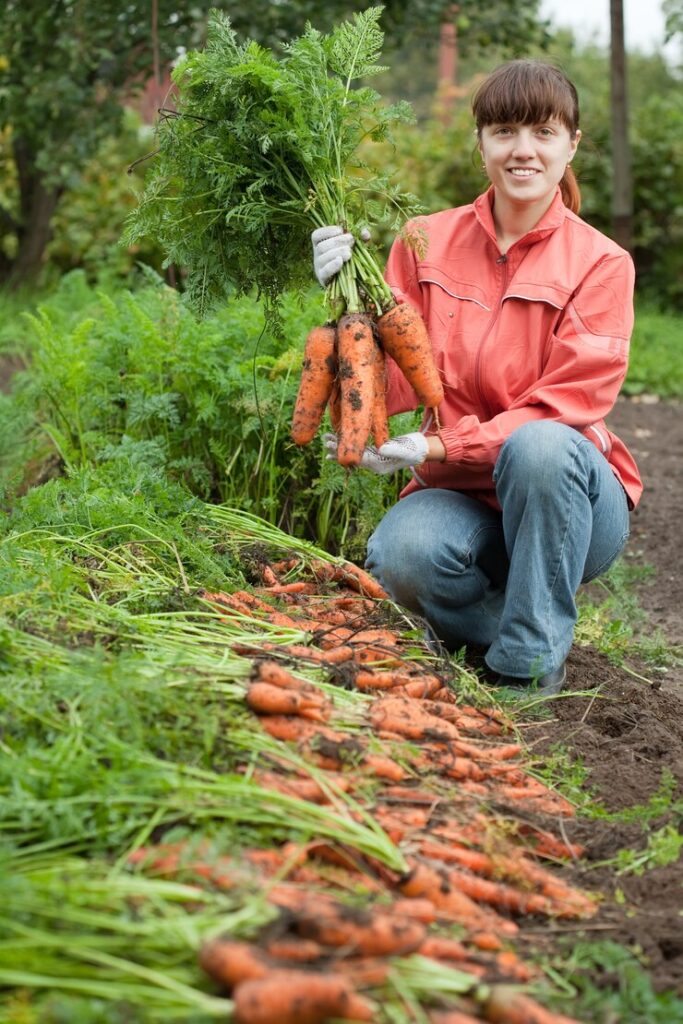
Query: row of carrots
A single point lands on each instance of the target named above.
(449, 789)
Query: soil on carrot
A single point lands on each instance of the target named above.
(629, 733)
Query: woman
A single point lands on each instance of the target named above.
(521, 494)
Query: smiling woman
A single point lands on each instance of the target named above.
(527, 117)
(520, 492)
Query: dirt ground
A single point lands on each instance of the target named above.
(629, 730)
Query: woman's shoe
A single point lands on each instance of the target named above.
(544, 686)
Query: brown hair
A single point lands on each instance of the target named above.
(529, 92)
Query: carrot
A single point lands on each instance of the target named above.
(403, 336)
(335, 407)
(508, 963)
(350, 574)
(365, 972)
(265, 699)
(506, 1005)
(379, 426)
(404, 716)
(452, 1017)
(303, 789)
(419, 688)
(440, 948)
(365, 680)
(419, 908)
(317, 377)
(505, 897)
(231, 962)
(294, 949)
(384, 767)
(356, 353)
(275, 674)
(299, 587)
(362, 932)
(268, 577)
(299, 997)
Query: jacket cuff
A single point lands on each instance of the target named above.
(453, 444)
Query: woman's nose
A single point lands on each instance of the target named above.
(524, 144)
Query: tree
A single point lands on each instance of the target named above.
(622, 181)
(67, 68)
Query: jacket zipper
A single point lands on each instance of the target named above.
(502, 261)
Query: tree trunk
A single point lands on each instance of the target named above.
(37, 204)
(622, 181)
(448, 66)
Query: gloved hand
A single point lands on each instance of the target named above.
(331, 249)
(402, 452)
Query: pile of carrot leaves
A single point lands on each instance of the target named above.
(263, 148)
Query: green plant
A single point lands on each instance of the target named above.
(601, 982)
(133, 382)
(261, 151)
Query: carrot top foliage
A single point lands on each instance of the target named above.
(262, 149)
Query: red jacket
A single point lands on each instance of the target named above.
(540, 333)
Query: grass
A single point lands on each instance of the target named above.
(656, 358)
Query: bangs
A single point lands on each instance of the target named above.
(526, 92)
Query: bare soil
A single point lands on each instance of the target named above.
(630, 729)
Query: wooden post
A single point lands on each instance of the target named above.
(622, 180)
(448, 65)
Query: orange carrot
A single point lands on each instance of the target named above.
(356, 353)
(265, 699)
(294, 949)
(231, 962)
(351, 575)
(439, 948)
(504, 896)
(317, 377)
(403, 336)
(299, 587)
(335, 407)
(404, 716)
(419, 688)
(365, 972)
(452, 1017)
(419, 908)
(362, 932)
(275, 674)
(299, 997)
(379, 426)
(506, 1005)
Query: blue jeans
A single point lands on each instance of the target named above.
(507, 580)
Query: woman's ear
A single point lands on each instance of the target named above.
(575, 144)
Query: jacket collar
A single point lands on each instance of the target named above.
(551, 220)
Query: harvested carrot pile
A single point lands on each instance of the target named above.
(442, 779)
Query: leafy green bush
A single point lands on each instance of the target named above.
(133, 379)
(656, 358)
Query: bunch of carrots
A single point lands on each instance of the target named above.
(439, 801)
(344, 368)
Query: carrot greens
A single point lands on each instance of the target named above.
(262, 149)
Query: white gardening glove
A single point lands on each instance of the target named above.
(402, 452)
(331, 249)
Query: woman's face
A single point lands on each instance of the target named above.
(525, 162)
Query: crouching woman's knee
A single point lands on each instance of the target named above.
(537, 453)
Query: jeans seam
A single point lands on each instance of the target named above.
(551, 588)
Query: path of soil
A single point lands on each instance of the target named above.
(629, 730)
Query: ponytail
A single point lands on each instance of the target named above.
(571, 193)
